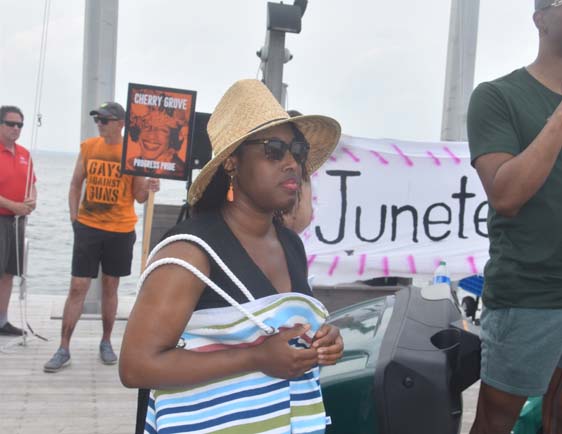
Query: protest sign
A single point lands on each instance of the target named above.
(396, 208)
(158, 131)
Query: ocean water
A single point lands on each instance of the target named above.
(49, 232)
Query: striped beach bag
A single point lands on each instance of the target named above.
(248, 403)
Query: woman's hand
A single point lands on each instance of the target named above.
(329, 344)
(276, 358)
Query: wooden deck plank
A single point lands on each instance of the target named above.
(86, 397)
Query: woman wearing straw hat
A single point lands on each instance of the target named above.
(261, 373)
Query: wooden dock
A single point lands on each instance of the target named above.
(87, 396)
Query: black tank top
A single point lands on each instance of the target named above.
(212, 228)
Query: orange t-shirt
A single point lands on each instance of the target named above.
(108, 201)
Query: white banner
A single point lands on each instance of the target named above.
(395, 208)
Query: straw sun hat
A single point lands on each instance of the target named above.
(249, 107)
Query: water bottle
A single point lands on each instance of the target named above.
(441, 275)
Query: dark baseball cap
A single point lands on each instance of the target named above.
(112, 110)
(543, 4)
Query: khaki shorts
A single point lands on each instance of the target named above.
(521, 348)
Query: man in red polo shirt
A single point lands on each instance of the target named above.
(17, 199)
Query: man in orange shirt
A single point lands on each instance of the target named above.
(104, 227)
(17, 199)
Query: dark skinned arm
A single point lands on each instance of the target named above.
(510, 181)
(149, 357)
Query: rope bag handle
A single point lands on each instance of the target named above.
(186, 237)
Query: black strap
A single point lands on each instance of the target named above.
(142, 407)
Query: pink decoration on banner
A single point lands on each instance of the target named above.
(385, 268)
(456, 159)
(412, 264)
(332, 158)
(351, 154)
(472, 263)
(307, 235)
(437, 262)
(311, 259)
(315, 174)
(381, 159)
(362, 261)
(404, 156)
(314, 198)
(334, 265)
(434, 158)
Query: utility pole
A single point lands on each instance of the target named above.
(461, 59)
(281, 18)
(98, 86)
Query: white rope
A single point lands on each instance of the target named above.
(38, 93)
(210, 251)
(12, 345)
(29, 176)
(40, 74)
(20, 274)
(165, 261)
(205, 279)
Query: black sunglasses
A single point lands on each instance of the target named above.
(13, 124)
(275, 149)
(103, 121)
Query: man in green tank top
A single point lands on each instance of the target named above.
(515, 136)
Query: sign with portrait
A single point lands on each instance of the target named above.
(158, 131)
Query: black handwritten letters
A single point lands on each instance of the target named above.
(437, 220)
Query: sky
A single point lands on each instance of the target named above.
(376, 66)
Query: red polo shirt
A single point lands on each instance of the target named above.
(13, 174)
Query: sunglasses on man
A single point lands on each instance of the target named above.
(275, 149)
(13, 124)
(103, 121)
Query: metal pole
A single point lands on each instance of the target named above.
(273, 67)
(281, 18)
(99, 62)
(98, 85)
(461, 59)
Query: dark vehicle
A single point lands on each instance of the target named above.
(407, 359)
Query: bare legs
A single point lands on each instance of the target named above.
(552, 405)
(6, 282)
(75, 303)
(497, 411)
(73, 307)
(108, 304)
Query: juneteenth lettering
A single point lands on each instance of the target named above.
(103, 181)
(160, 100)
(429, 220)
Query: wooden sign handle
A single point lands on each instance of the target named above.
(147, 228)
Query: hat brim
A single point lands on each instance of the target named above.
(104, 113)
(321, 132)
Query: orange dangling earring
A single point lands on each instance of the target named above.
(230, 192)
